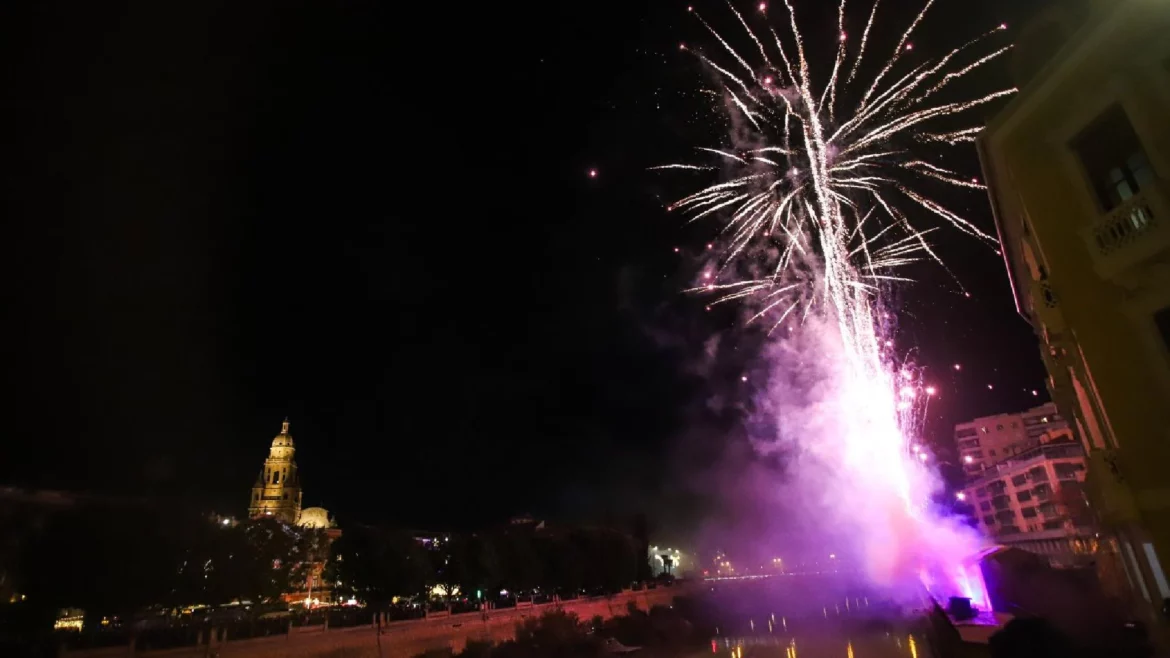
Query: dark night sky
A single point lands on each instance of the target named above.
(378, 222)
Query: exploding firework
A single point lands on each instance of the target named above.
(820, 199)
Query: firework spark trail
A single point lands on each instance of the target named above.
(816, 205)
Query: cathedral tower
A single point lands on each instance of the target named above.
(277, 492)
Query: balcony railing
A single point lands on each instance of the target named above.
(1134, 231)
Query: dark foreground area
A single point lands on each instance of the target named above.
(800, 617)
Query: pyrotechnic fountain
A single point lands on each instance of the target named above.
(821, 205)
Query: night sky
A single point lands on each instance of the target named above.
(378, 221)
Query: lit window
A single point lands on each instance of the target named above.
(1113, 158)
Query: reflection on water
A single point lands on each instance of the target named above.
(809, 618)
(862, 645)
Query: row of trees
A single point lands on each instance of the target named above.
(119, 563)
(375, 564)
(116, 563)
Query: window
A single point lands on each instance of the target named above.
(989, 520)
(981, 492)
(1028, 512)
(985, 506)
(1024, 496)
(1048, 509)
(1020, 479)
(1038, 474)
(255, 496)
(275, 477)
(991, 453)
(965, 432)
(286, 495)
(1113, 158)
(999, 428)
(1053, 525)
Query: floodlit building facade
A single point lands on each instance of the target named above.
(983, 442)
(1078, 166)
(1031, 500)
(277, 492)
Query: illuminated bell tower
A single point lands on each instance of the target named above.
(277, 492)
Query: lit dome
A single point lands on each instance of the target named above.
(315, 517)
(284, 439)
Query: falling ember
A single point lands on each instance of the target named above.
(958, 366)
(990, 387)
(930, 390)
(593, 173)
(961, 496)
(676, 250)
(1035, 393)
(828, 169)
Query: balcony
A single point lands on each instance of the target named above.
(1130, 234)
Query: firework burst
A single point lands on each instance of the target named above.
(831, 172)
(822, 199)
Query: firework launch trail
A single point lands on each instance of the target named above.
(823, 196)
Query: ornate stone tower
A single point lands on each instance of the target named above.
(277, 492)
